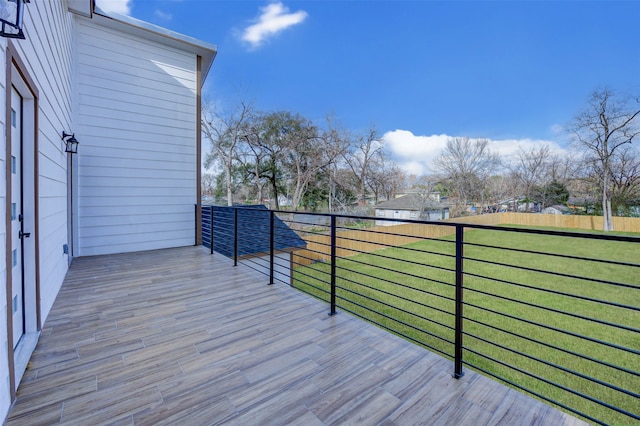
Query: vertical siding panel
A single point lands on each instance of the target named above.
(137, 128)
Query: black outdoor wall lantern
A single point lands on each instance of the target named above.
(11, 12)
(71, 143)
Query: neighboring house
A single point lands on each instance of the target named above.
(130, 91)
(411, 206)
(432, 195)
(557, 209)
(253, 239)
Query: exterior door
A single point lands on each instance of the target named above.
(17, 220)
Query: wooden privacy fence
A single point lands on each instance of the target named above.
(352, 242)
(592, 223)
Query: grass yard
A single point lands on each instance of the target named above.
(410, 290)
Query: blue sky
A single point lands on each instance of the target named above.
(514, 72)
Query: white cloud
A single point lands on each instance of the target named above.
(415, 154)
(118, 6)
(275, 18)
(163, 15)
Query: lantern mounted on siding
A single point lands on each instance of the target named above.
(71, 143)
(11, 13)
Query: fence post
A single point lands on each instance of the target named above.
(235, 236)
(459, 301)
(196, 225)
(333, 265)
(271, 245)
(211, 228)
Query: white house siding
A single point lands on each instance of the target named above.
(137, 132)
(392, 214)
(46, 53)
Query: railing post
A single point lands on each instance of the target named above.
(333, 265)
(211, 227)
(459, 301)
(235, 236)
(271, 245)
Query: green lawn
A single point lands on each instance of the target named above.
(410, 290)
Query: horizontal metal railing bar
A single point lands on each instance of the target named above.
(399, 333)
(313, 262)
(558, 274)
(546, 308)
(256, 261)
(558, 348)
(424, 305)
(560, 293)
(338, 237)
(300, 222)
(397, 283)
(316, 287)
(559, 330)
(396, 332)
(396, 308)
(252, 267)
(311, 276)
(399, 260)
(532, 392)
(406, 336)
(559, 386)
(316, 252)
(559, 367)
(320, 243)
(564, 256)
(394, 234)
(586, 235)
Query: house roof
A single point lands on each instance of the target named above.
(559, 207)
(413, 202)
(253, 231)
(127, 24)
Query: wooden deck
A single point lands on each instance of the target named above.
(181, 337)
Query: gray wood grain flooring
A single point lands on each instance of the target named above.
(178, 336)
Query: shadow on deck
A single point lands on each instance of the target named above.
(178, 336)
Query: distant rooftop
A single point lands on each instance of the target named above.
(413, 202)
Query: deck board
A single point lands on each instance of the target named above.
(178, 336)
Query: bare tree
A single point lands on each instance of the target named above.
(467, 165)
(530, 169)
(562, 168)
(225, 131)
(626, 178)
(336, 139)
(208, 183)
(606, 124)
(361, 156)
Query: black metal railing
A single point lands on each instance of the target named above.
(555, 314)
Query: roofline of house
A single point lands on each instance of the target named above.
(124, 23)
